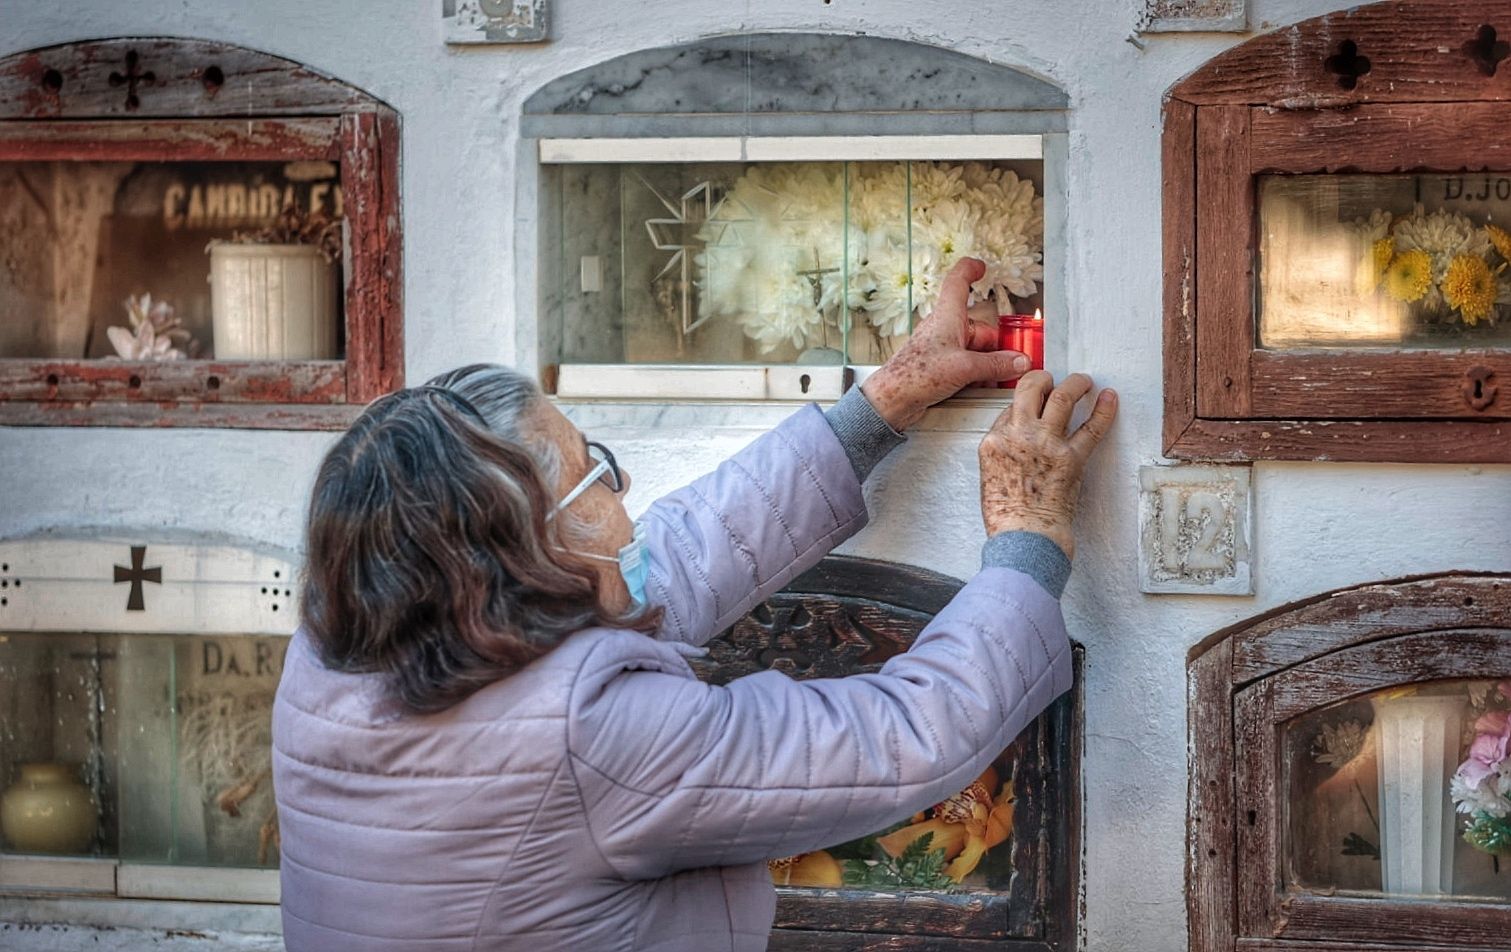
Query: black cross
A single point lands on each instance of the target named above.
(130, 78)
(136, 575)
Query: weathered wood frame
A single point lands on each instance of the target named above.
(214, 102)
(891, 603)
(1279, 104)
(1245, 682)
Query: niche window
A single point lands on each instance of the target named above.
(193, 234)
(1338, 242)
(751, 236)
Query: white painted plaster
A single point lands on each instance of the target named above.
(1317, 526)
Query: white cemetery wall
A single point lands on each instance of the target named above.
(1316, 526)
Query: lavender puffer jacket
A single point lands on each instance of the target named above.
(604, 799)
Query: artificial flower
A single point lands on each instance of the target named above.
(807, 869)
(155, 333)
(1501, 240)
(1443, 236)
(872, 239)
(1469, 287)
(965, 826)
(1409, 276)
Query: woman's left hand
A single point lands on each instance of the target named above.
(947, 352)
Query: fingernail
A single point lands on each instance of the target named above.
(1021, 364)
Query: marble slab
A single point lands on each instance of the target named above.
(1194, 16)
(749, 77)
(1194, 530)
(494, 21)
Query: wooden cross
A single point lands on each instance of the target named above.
(136, 575)
(130, 78)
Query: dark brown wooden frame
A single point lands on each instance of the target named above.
(1430, 100)
(856, 607)
(213, 102)
(1245, 682)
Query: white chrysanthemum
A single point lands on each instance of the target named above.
(1372, 229)
(1443, 235)
(778, 310)
(908, 224)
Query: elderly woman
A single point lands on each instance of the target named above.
(487, 735)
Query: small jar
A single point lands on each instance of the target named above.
(48, 811)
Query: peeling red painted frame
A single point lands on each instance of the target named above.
(1245, 682)
(263, 109)
(1270, 105)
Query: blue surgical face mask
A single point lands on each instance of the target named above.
(633, 565)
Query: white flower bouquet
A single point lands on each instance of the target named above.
(798, 252)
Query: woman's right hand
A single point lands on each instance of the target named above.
(1030, 467)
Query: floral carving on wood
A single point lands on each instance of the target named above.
(811, 636)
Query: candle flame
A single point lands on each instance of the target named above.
(1038, 314)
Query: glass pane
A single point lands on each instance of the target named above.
(153, 748)
(963, 843)
(170, 260)
(779, 262)
(1359, 261)
(1405, 792)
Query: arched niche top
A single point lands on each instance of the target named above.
(793, 84)
(164, 77)
(1394, 51)
(1327, 623)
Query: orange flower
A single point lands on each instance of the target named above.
(807, 869)
(965, 826)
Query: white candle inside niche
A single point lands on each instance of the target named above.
(1419, 749)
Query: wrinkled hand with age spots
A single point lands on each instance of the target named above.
(946, 353)
(1030, 468)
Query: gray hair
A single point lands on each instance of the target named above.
(510, 404)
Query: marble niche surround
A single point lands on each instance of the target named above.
(746, 98)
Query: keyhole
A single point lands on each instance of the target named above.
(804, 382)
(1479, 387)
(1486, 51)
(1347, 64)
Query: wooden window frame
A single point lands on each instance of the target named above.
(1246, 683)
(882, 604)
(1282, 104)
(214, 102)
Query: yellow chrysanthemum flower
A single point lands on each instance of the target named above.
(1409, 275)
(1501, 240)
(1469, 287)
(1382, 253)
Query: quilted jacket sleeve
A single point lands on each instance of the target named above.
(678, 774)
(722, 544)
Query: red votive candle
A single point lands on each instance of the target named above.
(1025, 334)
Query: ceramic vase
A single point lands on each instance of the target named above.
(272, 302)
(1419, 739)
(48, 811)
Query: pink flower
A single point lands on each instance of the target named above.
(1491, 741)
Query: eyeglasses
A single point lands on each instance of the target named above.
(605, 471)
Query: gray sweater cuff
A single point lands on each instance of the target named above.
(864, 435)
(1032, 554)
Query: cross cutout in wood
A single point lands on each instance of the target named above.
(1486, 51)
(136, 575)
(1347, 64)
(131, 78)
